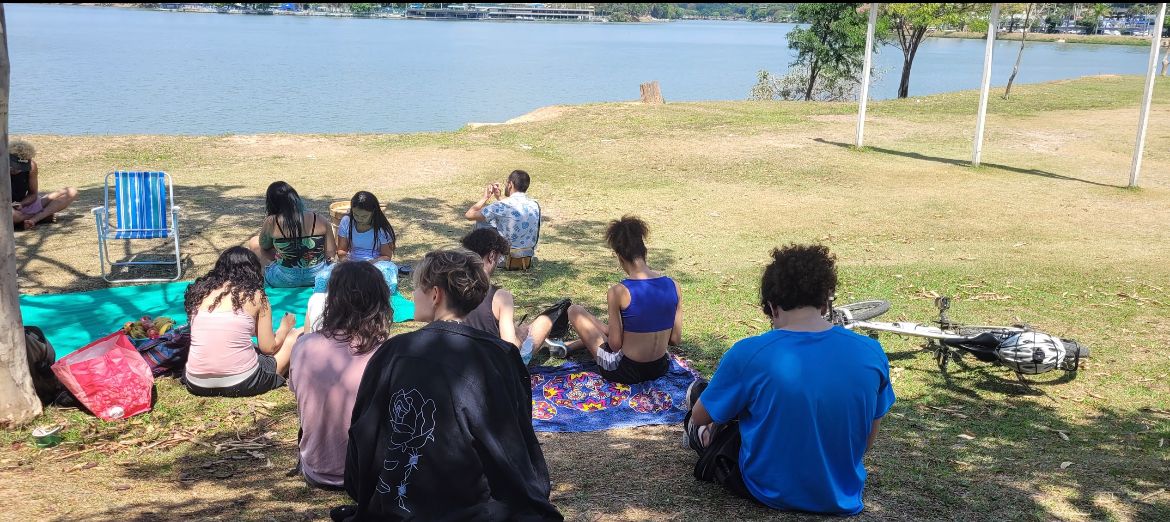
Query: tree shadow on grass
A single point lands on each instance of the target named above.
(260, 481)
(963, 163)
(69, 249)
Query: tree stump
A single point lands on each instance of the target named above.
(652, 93)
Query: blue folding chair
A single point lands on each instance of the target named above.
(144, 208)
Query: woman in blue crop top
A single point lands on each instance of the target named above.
(645, 314)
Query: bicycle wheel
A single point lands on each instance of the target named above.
(866, 310)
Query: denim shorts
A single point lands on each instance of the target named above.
(388, 269)
(280, 276)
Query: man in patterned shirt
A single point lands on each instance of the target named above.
(516, 216)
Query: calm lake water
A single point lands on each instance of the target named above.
(79, 70)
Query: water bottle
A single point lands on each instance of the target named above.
(526, 350)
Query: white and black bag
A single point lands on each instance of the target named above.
(1031, 353)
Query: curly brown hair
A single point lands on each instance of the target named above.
(627, 237)
(459, 273)
(799, 275)
(357, 306)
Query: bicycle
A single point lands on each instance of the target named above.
(950, 340)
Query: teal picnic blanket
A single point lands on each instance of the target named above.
(71, 321)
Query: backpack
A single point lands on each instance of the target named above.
(167, 354)
(41, 356)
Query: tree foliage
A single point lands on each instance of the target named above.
(910, 24)
(793, 85)
(832, 44)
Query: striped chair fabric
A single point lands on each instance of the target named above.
(141, 205)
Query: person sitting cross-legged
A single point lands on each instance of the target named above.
(327, 366)
(789, 414)
(227, 308)
(645, 314)
(497, 312)
(516, 217)
(29, 206)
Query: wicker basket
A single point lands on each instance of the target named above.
(337, 210)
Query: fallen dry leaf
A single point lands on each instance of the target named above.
(1065, 464)
(965, 436)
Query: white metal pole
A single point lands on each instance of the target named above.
(873, 8)
(1155, 42)
(992, 27)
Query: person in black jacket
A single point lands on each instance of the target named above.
(442, 424)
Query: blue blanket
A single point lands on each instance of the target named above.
(73, 320)
(573, 397)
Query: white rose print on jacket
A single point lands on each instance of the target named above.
(412, 420)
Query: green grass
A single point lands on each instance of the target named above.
(1045, 222)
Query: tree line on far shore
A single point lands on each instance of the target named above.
(830, 44)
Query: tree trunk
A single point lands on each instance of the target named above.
(651, 93)
(813, 70)
(1023, 37)
(912, 42)
(18, 401)
(904, 85)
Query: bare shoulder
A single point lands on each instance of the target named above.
(503, 298)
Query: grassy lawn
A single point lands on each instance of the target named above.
(1044, 232)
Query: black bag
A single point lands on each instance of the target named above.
(559, 313)
(41, 357)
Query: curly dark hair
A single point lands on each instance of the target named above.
(237, 272)
(627, 237)
(459, 273)
(799, 275)
(484, 241)
(357, 306)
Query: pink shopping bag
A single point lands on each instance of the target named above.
(109, 377)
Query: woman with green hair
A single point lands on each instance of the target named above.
(294, 244)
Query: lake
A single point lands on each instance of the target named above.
(88, 70)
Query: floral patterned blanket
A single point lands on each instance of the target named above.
(573, 397)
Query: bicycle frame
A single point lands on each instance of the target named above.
(922, 330)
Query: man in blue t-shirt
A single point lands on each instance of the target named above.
(790, 413)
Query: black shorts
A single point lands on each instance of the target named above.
(615, 367)
(263, 380)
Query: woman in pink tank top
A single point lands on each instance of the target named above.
(226, 308)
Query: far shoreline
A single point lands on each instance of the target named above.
(1091, 39)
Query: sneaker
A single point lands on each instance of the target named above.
(694, 391)
(557, 348)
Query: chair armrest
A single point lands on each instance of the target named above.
(101, 215)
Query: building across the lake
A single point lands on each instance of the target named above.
(528, 12)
